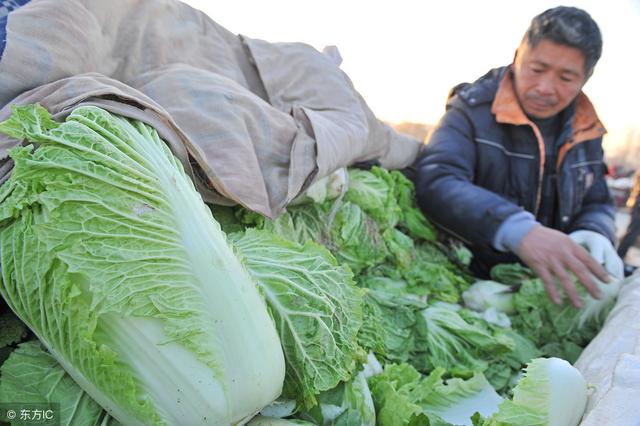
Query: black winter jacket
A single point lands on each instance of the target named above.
(485, 159)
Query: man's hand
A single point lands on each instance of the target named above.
(552, 255)
(601, 250)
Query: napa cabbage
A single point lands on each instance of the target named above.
(552, 392)
(110, 256)
(403, 396)
(486, 294)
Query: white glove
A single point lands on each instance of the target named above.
(601, 250)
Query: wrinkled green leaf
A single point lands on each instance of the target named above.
(374, 192)
(390, 322)
(460, 346)
(411, 219)
(348, 404)
(402, 397)
(32, 376)
(316, 307)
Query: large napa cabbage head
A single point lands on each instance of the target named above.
(114, 261)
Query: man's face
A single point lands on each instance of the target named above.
(547, 77)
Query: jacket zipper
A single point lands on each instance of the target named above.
(541, 161)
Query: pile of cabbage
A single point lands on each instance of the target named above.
(127, 300)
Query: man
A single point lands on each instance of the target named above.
(516, 162)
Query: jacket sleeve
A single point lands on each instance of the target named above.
(444, 184)
(598, 211)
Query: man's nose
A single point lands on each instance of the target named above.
(545, 86)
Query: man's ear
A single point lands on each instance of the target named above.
(519, 50)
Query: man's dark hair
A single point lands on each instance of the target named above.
(568, 26)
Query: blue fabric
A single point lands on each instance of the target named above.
(513, 230)
(6, 7)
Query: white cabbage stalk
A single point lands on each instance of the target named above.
(279, 408)
(326, 188)
(593, 308)
(111, 257)
(483, 295)
(372, 367)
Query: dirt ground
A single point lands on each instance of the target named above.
(622, 220)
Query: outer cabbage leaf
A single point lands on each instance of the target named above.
(343, 228)
(456, 400)
(12, 330)
(391, 315)
(303, 223)
(228, 219)
(511, 273)
(393, 395)
(560, 330)
(348, 404)
(435, 253)
(374, 192)
(372, 335)
(402, 396)
(32, 376)
(355, 239)
(400, 247)
(462, 253)
(316, 306)
(462, 347)
(390, 323)
(411, 219)
(424, 267)
(505, 370)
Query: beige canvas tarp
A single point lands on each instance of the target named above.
(254, 122)
(611, 364)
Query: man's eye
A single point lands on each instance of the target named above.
(537, 70)
(566, 79)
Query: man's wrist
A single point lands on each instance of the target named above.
(513, 230)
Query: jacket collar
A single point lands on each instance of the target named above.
(586, 124)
